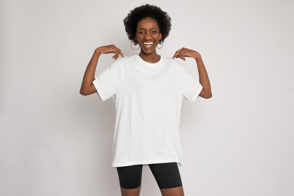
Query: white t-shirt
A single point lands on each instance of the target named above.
(148, 99)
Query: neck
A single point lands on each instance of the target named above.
(151, 58)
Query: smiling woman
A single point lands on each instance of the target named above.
(148, 26)
(148, 90)
(148, 36)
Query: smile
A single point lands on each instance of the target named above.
(148, 44)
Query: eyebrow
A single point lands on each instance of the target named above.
(151, 28)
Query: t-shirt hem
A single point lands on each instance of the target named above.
(197, 93)
(146, 162)
(99, 90)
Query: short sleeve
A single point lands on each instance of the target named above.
(106, 82)
(191, 86)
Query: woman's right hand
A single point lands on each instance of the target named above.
(110, 49)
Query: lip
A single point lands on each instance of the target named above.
(148, 46)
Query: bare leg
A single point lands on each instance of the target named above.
(130, 192)
(177, 191)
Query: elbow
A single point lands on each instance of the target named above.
(88, 90)
(208, 96)
(205, 95)
(83, 93)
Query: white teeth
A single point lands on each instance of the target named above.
(148, 43)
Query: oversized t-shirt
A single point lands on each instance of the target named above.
(148, 99)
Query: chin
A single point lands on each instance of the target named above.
(148, 51)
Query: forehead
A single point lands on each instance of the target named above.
(147, 22)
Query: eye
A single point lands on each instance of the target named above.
(153, 31)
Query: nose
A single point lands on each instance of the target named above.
(147, 35)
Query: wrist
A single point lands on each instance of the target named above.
(198, 57)
(97, 51)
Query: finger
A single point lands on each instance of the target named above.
(176, 54)
(122, 54)
(118, 53)
(115, 56)
(182, 54)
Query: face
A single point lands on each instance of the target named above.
(148, 32)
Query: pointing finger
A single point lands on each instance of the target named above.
(182, 54)
(176, 54)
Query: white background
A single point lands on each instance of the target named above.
(54, 141)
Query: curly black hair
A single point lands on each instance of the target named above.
(138, 13)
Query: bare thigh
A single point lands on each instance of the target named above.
(130, 192)
(177, 191)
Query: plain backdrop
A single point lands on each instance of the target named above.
(54, 141)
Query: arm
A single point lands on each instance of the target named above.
(203, 77)
(87, 87)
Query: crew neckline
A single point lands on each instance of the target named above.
(150, 64)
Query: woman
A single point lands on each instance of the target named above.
(148, 90)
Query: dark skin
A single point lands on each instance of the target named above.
(203, 77)
(147, 31)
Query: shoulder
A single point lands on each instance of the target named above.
(120, 61)
(173, 62)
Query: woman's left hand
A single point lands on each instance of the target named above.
(185, 52)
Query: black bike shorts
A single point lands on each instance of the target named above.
(167, 175)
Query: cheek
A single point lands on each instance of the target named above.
(139, 38)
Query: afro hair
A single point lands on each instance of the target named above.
(138, 13)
